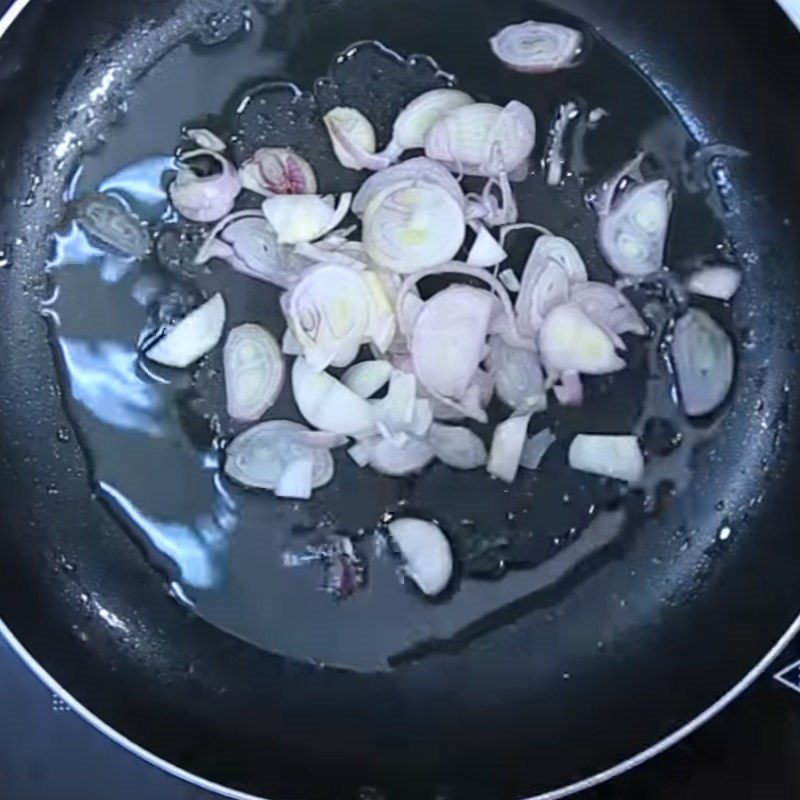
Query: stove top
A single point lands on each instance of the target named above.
(749, 752)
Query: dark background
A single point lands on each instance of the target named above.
(749, 752)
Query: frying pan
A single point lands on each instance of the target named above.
(588, 674)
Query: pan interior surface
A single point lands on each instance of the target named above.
(575, 605)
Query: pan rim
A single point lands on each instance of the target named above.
(8, 18)
(592, 781)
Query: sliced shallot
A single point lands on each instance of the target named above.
(448, 340)
(510, 280)
(420, 115)
(328, 311)
(261, 457)
(703, 357)
(633, 234)
(195, 335)
(397, 460)
(206, 139)
(569, 389)
(277, 170)
(554, 159)
(486, 251)
(617, 457)
(518, 376)
(412, 227)
(203, 197)
(297, 480)
(254, 372)
(609, 308)
(536, 448)
(562, 252)
(457, 447)
(328, 404)
(483, 139)
(720, 283)
(544, 286)
(427, 556)
(305, 218)
(537, 46)
(504, 320)
(508, 443)
(246, 241)
(353, 139)
(367, 378)
(414, 170)
(570, 341)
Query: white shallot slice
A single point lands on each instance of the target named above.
(609, 308)
(490, 210)
(564, 253)
(382, 328)
(304, 218)
(473, 405)
(277, 170)
(206, 139)
(367, 378)
(246, 241)
(510, 280)
(254, 372)
(554, 158)
(507, 445)
(504, 319)
(544, 286)
(569, 389)
(394, 414)
(720, 283)
(457, 447)
(486, 251)
(260, 457)
(353, 139)
(570, 341)
(536, 448)
(537, 46)
(329, 311)
(448, 340)
(297, 479)
(413, 226)
(426, 552)
(361, 452)
(553, 266)
(204, 197)
(618, 457)
(414, 170)
(420, 115)
(483, 139)
(328, 404)
(335, 248)
(633, 235)
(518, 377)
(703, 358)
(289, 344)
(195, 335)
(396, 460)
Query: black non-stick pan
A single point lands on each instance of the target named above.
(589, 628)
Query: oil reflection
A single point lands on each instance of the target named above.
(197, 549)
(104, 379)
